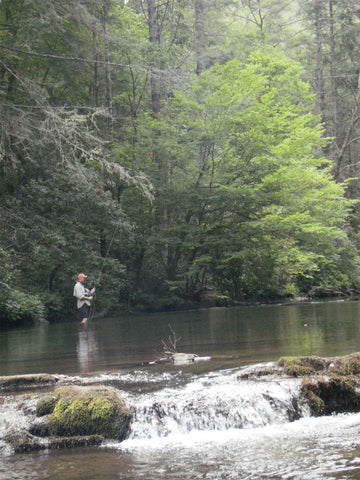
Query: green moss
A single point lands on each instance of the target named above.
(302, 366)
(333, 395)
(311, 392)
(46, 405)
(87, 411)
(348, 365)
(71, 417)
(294, 367)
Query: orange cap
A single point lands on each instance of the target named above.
(81, 275)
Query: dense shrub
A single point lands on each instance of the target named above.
(17, 306)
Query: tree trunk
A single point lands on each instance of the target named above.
(319, 80)
(200, 36)
(154, 37)
(355, 117)
(334, 93)
(109, 100)
(96, 70)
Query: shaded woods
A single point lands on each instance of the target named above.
(181, 153)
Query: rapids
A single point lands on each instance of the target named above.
(198, 421)
(213, 426)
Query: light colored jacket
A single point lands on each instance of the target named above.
(80, 292)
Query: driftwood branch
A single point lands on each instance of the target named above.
(169, 347)
(170, 354)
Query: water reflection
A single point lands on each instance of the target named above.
(248, 334)
(87, 349)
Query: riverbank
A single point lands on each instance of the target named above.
(170, 305)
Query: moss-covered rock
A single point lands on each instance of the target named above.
(46, 405)
(347, 365)
(311, 392)
(302, 366)
(331, 395)
(311, 365)
(74, 411)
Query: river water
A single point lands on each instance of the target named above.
(202, 420)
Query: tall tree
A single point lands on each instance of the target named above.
(154, 37)
(49, 133)
(200, 43)
(248, 224)
(334, 26)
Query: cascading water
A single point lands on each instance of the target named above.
(176, 404)
(214, 426)
(190, 424)
(218, 401)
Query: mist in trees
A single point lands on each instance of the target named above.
(177, 152)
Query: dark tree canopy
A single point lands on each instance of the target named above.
(177, 151)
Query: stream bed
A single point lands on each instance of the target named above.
(203, 420)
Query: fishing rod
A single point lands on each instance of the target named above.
(97, 283)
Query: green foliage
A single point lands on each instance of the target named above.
(7, 270)
(17, 306)
(228, 188)
(259, 214)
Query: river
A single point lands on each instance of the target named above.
(199, 420)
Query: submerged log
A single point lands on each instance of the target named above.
(24, 441)
(180, 358)
(22, 382)
(183, 357)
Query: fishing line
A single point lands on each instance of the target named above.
(92, 308)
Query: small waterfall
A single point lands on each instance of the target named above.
(218, 401)
(215, 426)
(14, 416)
(173, 403)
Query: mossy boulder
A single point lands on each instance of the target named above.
(302, 366)
(46, 405)
(330, 385)
(347, 365)
(311, 365)
(80, 411)
(331, 395)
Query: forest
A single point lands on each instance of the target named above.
(181, 153)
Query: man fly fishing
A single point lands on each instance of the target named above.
(84, 297)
